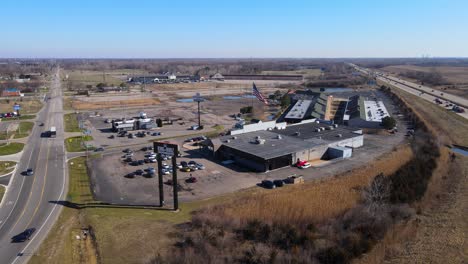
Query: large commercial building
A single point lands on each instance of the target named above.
(267, 150)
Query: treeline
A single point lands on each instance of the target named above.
(201, 66)
(214, 237)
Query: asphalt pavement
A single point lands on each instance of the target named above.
(30, 201)
(422, 91)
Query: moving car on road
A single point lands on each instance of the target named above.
(29, 172)
(23, 236)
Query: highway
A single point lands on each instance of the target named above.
(422, 91)
(29, 200)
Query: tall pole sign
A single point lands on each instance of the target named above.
(197, 98)
(167, 149)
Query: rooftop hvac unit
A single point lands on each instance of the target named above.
(335, 125)
(260, 141)
(317, 129)
(227, 140)
(297, 133)
(339, 135)
(318, 122)
(234, 137)
(257, 137)
(279, 137)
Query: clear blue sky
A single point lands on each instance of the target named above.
(233, 28)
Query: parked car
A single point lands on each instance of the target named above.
(139, 172)
(187, 169)
(99, 149)
(268, 184)
(134, 163)
(305, 165)
(165, 166)
(156, 134)
(165, 172)
(184, 164)
(111, 136)
(128, 159)
(278, 183)
(200, 166)
(127, 150)
(23, 236)
(141, 162)
(130, 175)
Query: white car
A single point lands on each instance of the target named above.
(165, 166)
(305, 165)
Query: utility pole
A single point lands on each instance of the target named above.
(197, 98)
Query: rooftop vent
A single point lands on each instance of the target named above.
(227, 140)
(234, 137)
(279, 137)
(339, 135)
(297, 133)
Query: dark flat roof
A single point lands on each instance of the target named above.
(308, 132)
(273, 146)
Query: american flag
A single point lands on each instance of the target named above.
(259, 95)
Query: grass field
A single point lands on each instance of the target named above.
(11, 148)
(92, 77)
(71, 123)
(67, 103)
(27, 106)
(75, 144)
(23, 130)
(2, 192)
(6, 167)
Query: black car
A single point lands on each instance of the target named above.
(99, 149)
(130, 175)
(134, 163)
(129, 159)
(127, 150)
(23, 236)
(278, 183)
(41, 124)
(29, 172)
(184, 164)
(144, 148)
(268, 184)
(139, 172)
(192, 162)
(111, 136)
(141, 162)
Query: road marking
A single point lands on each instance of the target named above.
(19, 193)
(47, 219)
(43, 187)
(32, 186)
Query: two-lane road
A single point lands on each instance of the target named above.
(29, 201)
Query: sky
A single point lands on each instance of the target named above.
(233, 29)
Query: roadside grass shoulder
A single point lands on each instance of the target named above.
(11, 148)
(7, 167)
(24, 129)
(2, 192)
(75, 144)
(71, 123)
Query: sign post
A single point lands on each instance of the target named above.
(167, 149)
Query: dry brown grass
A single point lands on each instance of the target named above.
(317, 200)
(82, 105)
(27, 106)
(438, 234)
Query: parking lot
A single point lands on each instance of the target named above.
(110, 185)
